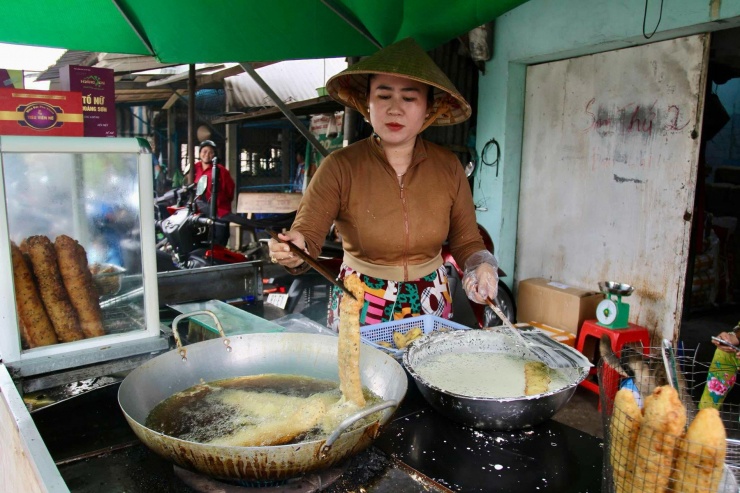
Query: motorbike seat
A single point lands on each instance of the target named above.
(277, 222)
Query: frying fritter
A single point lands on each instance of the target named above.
(278, 431)
(51, 287)
(79, 284)
(700, 455)
(663, 421)
(624, 427)
(348, 350)
(536, 378)
(35, 326)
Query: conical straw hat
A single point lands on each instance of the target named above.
(404, 59)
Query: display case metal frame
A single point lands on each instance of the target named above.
(96, 350)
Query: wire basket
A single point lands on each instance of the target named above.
(372, 334)
(643, 458)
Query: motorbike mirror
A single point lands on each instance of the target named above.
(202, 184)
(470, 169)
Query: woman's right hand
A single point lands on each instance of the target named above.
(280, 252)
(729, 337)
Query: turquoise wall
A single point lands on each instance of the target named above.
(547, 30)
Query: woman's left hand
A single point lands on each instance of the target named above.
(481, 283)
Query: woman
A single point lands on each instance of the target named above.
(224, 192)
(722, 371)
(395, 198)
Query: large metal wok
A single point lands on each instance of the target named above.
(507, 413)
(254, 354)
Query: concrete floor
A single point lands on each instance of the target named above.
(582, 413)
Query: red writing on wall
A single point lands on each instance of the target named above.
(634, 118)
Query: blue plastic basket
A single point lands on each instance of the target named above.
(372, 334)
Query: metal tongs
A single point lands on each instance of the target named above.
(548, 351)
(326, 273)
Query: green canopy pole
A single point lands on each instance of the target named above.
(284, 108)
(190, 173)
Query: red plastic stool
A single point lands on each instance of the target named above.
(619, 337)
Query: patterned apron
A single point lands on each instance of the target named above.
(387, 301)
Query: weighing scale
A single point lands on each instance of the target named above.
(612, 312)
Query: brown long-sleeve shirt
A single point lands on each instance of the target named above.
(389, 229)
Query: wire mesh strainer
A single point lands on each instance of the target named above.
(642, 457)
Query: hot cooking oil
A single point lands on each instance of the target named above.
(211, 411)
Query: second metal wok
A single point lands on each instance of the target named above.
(506, 413)
(255, 354)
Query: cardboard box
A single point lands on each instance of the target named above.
(555, 304)
(34, 112)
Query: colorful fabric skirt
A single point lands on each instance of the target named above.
(386, 301)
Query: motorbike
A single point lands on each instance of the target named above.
(187, 232)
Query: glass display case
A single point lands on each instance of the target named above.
(77, 256)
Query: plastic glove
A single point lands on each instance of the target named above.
(480, 280)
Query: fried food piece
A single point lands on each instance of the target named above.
(663, 421)
(79, 284)
(536, 378)
(277, 431)
(106, 285)
(402, 340)
(56, 301)
(385, 344)
(35, 326)
(413, 334)
(624, 427)
(348, 350)
(399, 340)
(22, 330)
(700, 456)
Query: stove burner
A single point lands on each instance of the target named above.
(309, 483)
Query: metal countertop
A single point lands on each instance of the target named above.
(94, 448)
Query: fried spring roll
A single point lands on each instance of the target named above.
(35, 326)
(663, 421)
(56, 301)
(79, 284)
(349, 342)
(700, 456)
(624, 428)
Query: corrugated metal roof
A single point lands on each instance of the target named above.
(119, 63)
(69, 57)
(292, 81)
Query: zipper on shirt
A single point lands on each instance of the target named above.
(406, 232)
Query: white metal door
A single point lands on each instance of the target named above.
(609, 164)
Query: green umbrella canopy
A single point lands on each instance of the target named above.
(217, 31)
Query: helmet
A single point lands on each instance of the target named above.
(208, 143)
